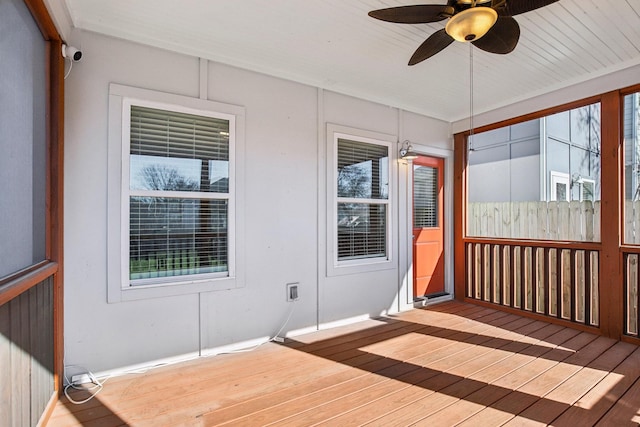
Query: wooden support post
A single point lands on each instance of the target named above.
(459, 215)
(611, 283)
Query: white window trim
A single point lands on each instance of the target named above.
(119, 289)
(361, 265)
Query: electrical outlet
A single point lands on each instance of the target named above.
(292, 291)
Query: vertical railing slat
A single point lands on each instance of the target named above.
(482, 273)
(587, 287)
(472, 262)
(559, 282)
(492, 274)
(534, 279)
(502, 280)
(637, 299)
(513, 274)
(572, 283)
(523, 278)
(546, 281)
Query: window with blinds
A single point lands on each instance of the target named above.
(362, 199)
(178, 195)
(425, 196)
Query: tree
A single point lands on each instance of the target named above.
(164, 178)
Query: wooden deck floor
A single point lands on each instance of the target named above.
(450, 364)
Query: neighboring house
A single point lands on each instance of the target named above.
(555, 158)
(632, 156)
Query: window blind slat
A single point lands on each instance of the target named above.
(173, 134)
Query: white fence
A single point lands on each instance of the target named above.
(632, 222)
(575, 221)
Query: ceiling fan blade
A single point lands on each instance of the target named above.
(434, 44)
(502, 37)
(516, 7)
(416, 14)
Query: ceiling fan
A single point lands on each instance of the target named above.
(488, 24)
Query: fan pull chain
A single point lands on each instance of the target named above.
(470, 97)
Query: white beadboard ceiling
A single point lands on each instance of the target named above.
(333, 44)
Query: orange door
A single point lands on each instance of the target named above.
(428, 227)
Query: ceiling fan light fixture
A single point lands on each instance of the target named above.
(471, 24)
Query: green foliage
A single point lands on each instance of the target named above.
(178, 263)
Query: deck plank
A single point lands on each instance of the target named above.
(549, 379)
(441, 344)
(626, 411)
(449, 364)
(545, 410)
(593, 405)
(498, 379)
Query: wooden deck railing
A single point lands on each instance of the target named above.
(27, 373)
(554, 279)
(494, 265)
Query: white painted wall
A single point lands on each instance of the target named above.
(285, 211)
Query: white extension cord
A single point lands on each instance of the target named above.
(78, 381)
(78, 384)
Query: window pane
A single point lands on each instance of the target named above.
(588, 191)
(425, 196)
(363, 170)
(173, 151)
(177, 237)
(362, 230)
(537, 180)
(23, 152)
(561, 191)
(632, 168)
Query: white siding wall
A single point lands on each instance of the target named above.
(285, 211)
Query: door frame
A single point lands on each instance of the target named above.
(405, 283)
